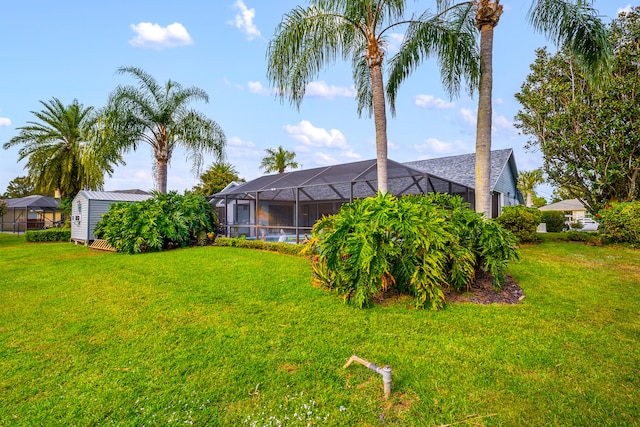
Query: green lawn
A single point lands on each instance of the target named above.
(227, 336)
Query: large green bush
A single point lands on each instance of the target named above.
(162, 222)
(49, 235)
(521, 221)
(413, 244)
(620, 222)
(554, 221)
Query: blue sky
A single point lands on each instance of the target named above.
(71, 50)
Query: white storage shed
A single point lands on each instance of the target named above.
(89, 206)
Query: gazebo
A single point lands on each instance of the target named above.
(31, 213)
(284, 207)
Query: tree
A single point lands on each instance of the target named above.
(308, 39)
(216, 178)
(588, 134)
(538, 201)
(570, 23)
(18, 187)
(278, 160)
(157, 115)
(527, 183)
(3, 208)
(63, 150)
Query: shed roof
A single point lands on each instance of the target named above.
(33, 202)
(113, 196)
(461, 169)
(565, 205)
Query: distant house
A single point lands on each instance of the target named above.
(290, 203)
(574, 210)
(88, 207)
(31, 213)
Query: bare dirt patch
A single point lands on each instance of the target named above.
(482, 292)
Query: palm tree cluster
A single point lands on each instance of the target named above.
(72, 147)
(308, 39)
(63, 150)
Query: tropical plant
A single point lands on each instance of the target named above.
(521, 221)
(63, 149)
(278, 160)
(216, 178)
(570, 23)
(20, 186)
(415, 245)
(157, 115)
(588, 134)
(308, 39)
(164, 221)
(527, 183)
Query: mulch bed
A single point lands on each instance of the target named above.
(482, 292)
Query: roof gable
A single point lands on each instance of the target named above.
(462, 169)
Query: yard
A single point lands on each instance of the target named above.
(226, 336)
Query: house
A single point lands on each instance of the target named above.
(88, 207)
(461, 169)
(290, 203)
(31, 213)
(574, 211)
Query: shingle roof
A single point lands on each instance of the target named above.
(33, 202)
(114, 196)
(461, 169)
(565, 205)
(339, 182)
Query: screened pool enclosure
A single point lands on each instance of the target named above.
(284, 207)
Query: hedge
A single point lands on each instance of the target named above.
(49, 235)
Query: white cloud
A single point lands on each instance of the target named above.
(323, 90)
(434, 145)
(256, 87)
(498, 123)
(395, 41)
(310, 135)
(502, 123)
(469, 117)
(154, 36)
(626, 9)
(5, 121)
(430, 101)
(244, 20)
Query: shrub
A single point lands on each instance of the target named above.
(413, 244)
(280, 247)
(620, 222)
(49, 235)
(162, 222)
(554, 221)
(521, 221)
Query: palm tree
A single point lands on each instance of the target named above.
(527, 183)
(157, 115)
(216, 178)
(278, 160)
(570, 23)
(63, 151)
(307, 39)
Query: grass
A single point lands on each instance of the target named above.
(227, 336)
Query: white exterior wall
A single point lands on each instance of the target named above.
(79, 222)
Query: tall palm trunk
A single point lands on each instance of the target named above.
(162, 157)
(380, 119)
(486, 19)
